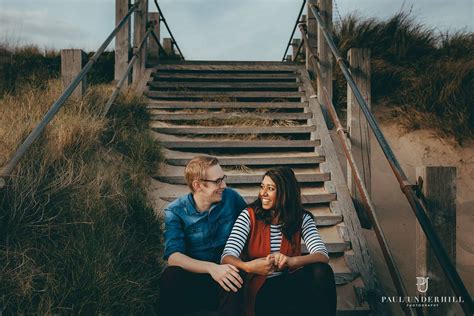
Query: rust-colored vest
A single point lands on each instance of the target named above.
(258, 246)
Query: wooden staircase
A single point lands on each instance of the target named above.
(252, 116)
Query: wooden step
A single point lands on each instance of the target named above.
(332, 238)
(223, 77)
(219, 86)
(323, 215)
(225, 68)
(342, 273)
(175, 175)
(223, 95)
(266, 159)
(155, 104)
(231, 129)
(310, 195)
(195, 144)
(184, 116)
(348, 303)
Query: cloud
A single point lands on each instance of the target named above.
(37, 26)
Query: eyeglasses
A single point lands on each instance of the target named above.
(217, 181)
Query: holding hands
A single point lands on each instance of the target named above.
(269, 264)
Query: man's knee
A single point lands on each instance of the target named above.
(172, 276)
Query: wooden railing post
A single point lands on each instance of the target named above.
(358, 128)
(153, 48)
(295, 44)
(122, 42)
(324, 55)
(439, 190)
(168, 46)
(140, 24)
(312, 28)
(72, 61)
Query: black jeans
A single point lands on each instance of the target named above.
(310, 290)
(183, 292)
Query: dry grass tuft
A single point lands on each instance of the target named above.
(77, 233)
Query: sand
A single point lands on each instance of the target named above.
(412, 149)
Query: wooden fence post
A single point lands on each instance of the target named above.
(140, 25)
(439, 190)
(325, 56)
(122, 42)
(295, 44)
(168, 46)
(153, 48)
(312, 28)
(71, 64)
(359, 132)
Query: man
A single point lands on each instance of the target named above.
(197, 226)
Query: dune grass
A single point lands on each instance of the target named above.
(77, 234)
(31, 66)
(427, 77)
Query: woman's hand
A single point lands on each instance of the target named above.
(262, 266)
(282, 261)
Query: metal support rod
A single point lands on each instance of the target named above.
(293, 32)
(162, 18)
(6, 171)
(416, 204)
(118, 87)
(389, 259)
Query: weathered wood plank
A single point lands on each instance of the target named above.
(155, 104)
(363, 262)
(167, 116)
(359, 132)
(195, 143)
(439, 190)
(226, 77)
(214, 85)
(247, 178)
(214, 130)
(223, 94)
(293, 158)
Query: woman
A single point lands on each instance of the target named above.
(265, 243)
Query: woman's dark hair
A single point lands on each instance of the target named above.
(288, 204)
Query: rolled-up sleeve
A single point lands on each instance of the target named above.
(174, 235)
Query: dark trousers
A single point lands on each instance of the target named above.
(310, 290)
(183, 293)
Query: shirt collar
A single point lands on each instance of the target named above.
(191, 204)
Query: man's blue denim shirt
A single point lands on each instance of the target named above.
(201, 236)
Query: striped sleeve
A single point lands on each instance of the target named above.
(237, 238)
(311, 236)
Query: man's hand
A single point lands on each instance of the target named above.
(282, 261)
(262, 266)
(227, 276)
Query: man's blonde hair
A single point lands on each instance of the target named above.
(196, 169)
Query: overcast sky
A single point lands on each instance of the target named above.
(205, 29)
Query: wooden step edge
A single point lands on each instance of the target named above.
(156, 116)
(253, 161)
(163, 104)
(247, 178)
(239, 144)
(231, 129)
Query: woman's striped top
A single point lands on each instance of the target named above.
(241, 230)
